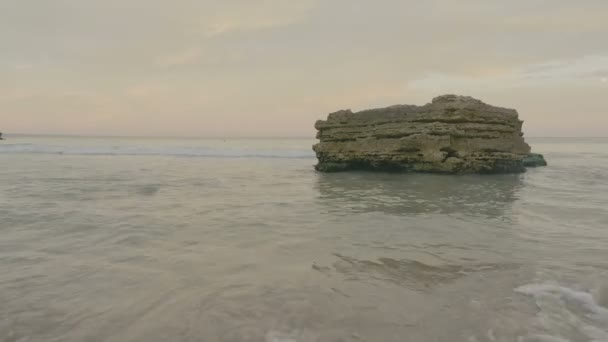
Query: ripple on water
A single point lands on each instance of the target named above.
(412, 274)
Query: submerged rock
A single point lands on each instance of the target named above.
(534, 160)
(453, 134)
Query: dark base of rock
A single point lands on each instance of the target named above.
(534, 160)
(481, 167)
(333, 167)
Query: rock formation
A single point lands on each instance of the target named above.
(453, 134)
(534, 160)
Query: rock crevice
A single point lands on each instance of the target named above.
(452, 134)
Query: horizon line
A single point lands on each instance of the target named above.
(227, 136)
(71, 135)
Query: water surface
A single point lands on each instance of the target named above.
(132, 239)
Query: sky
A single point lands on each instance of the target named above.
(273, 67)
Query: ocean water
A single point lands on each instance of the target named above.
(132, 239)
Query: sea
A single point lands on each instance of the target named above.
(190, 239)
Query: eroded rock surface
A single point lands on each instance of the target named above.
(452, 134)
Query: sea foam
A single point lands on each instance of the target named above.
(568, 312)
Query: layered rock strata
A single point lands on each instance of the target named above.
(452, 134)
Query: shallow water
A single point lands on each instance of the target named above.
(125, 239)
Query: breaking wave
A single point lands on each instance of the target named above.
(567, 314)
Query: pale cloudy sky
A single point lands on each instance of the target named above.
(273, 67)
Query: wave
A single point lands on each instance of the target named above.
(568, 312)
(29, 148)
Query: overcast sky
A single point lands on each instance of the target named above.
(273, 67)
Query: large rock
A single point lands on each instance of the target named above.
(453, 134)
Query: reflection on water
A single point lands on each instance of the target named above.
(405, 194)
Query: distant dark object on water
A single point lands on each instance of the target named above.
(1, 138)
(452, 134)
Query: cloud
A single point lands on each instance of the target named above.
(236, 17)
(14, 95)
(584, 70)
(243, 16)
(570, 18)
(184, 57)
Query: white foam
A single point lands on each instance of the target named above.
(275, 336)
(585, 299)
(567, 311)
(294, 336)
(541, 338)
